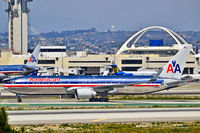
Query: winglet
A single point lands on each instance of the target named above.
(33, 60)
(155, 77)
(115, 68)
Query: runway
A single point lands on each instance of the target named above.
(30, 117)
(114, 103)
(130, 114)
(192, 90)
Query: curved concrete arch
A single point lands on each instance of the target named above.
(140, 33)
(177, 35)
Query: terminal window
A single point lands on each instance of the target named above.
(89, 61)
(130, 68)
(46, 61)
(53, 50)
(131, 61)
(43, 61)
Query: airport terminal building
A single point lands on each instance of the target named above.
(129, 58)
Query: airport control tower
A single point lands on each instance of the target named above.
(18, 25)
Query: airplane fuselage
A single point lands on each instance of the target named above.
(12, 69)
(59, 84)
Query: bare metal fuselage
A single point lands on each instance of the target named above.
(62, 90)
(59, 85)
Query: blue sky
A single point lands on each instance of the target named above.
(59, 15)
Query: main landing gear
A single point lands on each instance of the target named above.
(98, 100)
(19, 100)
(102, 99)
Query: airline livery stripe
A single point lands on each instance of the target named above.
(11, 71)
(67, 85)
(147, 85)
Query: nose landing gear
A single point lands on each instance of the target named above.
(19, 100)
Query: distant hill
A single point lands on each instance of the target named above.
(95, 42)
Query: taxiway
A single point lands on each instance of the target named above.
(34, 117)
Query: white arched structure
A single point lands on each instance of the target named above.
(178, 39)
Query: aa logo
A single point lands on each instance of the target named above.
(173, 67)
(32, 59)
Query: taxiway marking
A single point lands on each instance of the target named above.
(101, 119)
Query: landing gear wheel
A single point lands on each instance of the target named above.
(92, 99)
(19, 100)
(98, 100)
(106, 100)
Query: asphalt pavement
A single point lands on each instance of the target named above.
(34, 117)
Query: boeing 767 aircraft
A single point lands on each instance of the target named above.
(88, 87)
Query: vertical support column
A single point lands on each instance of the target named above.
(17, 33)
(18, 26)
(10, 30)
(24, 29)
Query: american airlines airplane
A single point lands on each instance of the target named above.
(88, 87)
(29, 67)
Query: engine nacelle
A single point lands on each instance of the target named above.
(85, 93)
(170, 83)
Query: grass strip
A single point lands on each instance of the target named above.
(138, 127)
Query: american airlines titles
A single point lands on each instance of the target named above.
(44, 79)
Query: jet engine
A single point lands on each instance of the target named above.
(85, 93)
(170, 83)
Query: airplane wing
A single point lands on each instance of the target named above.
(106, 88)
(31, 68)
(110, 87)
(3, 76)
